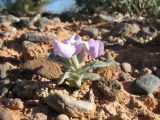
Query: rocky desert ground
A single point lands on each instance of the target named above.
(128, 88)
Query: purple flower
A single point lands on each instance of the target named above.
(73, 39)
(76, 41)
(70, 46)
(63, 49)
(74, 45)
(96, 48)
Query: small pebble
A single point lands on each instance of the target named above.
(62, 117)
(16, 104)
(127, 67)
(146, 84)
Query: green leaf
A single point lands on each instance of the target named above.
(75, 83)
(91, 76)
(75, 62)
(100, 64)
(94, 65)
(67, 75)
(86, 67)
(60, 60)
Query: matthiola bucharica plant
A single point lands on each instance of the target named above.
(71, 53)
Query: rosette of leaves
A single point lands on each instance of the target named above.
(77, 72)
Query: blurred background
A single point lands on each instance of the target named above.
(133, 7)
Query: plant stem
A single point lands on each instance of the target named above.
(79, 81)
(67, 75)
(75, 61)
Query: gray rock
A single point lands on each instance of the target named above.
(146, 84)
(109, 88)
(6, 114)
(44, 21)
(70, 105)
(1, 43)
(91, 32)
(125, 29)
(16, 104)
(36, 37)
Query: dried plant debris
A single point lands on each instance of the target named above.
(109, 87)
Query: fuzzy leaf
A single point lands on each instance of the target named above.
(94, 65)
(67, 75)
(100, 64)
(75, 82)
(60, 60)
(86, 67)
(91, 76)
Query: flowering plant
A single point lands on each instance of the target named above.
(71, 53)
